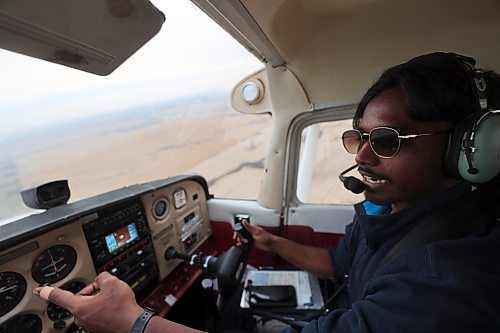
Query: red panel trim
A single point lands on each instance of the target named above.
(223, 238)
(177, 283)
(307, 236)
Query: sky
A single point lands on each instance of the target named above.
(190, 55)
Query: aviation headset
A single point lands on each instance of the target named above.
(473, 151)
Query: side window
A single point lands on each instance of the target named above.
(322, 159)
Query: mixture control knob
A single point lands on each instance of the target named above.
(171, 253)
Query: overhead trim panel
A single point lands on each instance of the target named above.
(58, 41)
(237, 21)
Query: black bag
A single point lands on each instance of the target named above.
(272, 296)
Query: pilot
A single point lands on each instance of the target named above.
(447, 279)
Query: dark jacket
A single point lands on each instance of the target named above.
(450, 285)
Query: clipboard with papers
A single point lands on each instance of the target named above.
(306, 285)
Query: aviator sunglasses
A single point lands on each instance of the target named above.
(384, 141)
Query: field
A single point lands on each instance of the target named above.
(199, 135)
(136, 146)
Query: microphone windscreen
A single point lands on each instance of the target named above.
(354, 185)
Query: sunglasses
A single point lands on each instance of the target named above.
(384, 141)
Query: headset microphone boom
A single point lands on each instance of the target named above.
(353, 184)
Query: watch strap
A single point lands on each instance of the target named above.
(142, 321)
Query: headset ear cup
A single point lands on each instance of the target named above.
(453, 150)
(486, 158)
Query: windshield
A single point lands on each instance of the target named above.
(164, 112)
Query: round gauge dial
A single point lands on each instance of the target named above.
(54, 264)
(26, 323)
(55, 312)
(160, 208)
(74, 286)
(12, 290)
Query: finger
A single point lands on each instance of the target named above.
(103, 277)
(57, 296)
(64, 298)
(43, 292)
(250, 228)
(89, 290)
(106, 282)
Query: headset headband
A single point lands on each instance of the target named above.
(477, 78)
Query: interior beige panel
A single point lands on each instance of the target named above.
(336, 52)
(171, 229)
(262, 106)
(321, 7)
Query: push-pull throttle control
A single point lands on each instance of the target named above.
(228, 268)
(207, 263)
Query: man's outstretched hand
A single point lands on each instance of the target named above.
(105, 306)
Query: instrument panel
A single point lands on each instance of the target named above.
(125, 232)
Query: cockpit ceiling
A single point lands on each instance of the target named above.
(321, 7)
(335, 48)
(338, 48)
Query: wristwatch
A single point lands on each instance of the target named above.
(142, 321)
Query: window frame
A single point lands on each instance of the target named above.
(336, 113)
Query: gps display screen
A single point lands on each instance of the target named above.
(121, 237)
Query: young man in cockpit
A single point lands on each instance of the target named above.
(448, 280)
